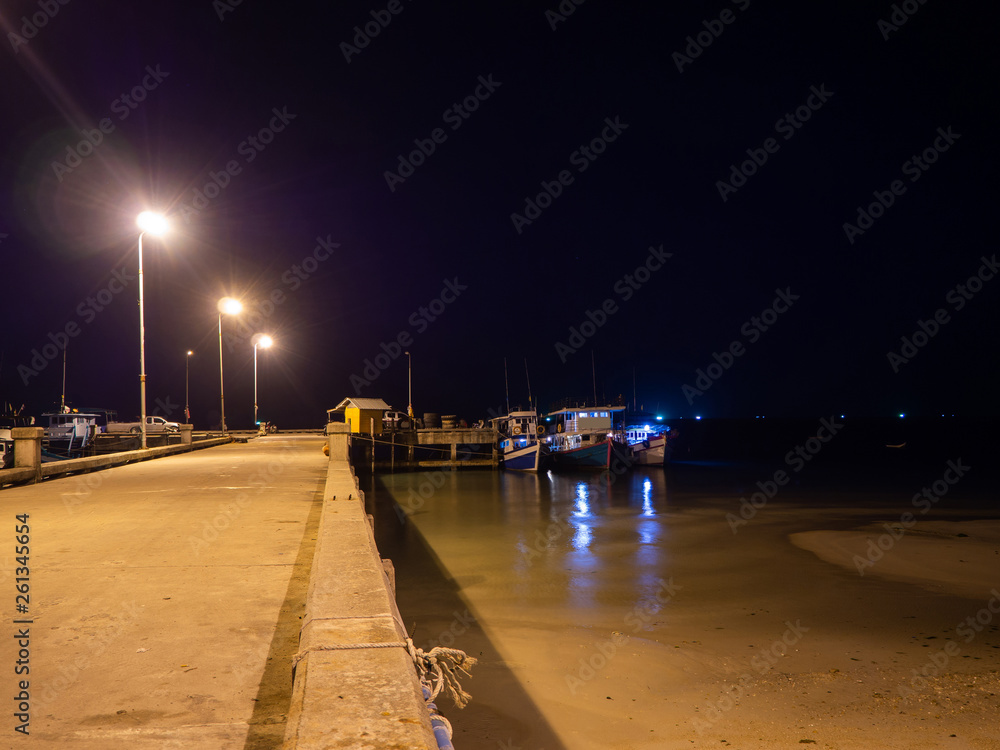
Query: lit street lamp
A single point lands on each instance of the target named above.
(155, 224)
(227, 306)
(187, 389)
(259, 339)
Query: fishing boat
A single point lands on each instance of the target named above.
(9, 419)
(69, 431)
(518, 436)
(648, 438)
(588, 437)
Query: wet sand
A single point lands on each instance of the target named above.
(646, 622)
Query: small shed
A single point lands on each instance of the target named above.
(360, 414)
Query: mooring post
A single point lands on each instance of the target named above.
(28, 449)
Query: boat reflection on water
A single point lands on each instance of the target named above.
(553, 558)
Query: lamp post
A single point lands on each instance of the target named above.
(187, 389)
(154, 224)
(409, 386)
(227, 306)
(259, 339)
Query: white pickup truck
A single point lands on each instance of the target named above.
(153, 424)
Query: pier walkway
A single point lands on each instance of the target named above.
(167, 597)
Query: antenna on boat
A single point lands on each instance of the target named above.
(506, 387)
(528, 378)
(593, 371)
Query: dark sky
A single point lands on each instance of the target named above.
(643, 125)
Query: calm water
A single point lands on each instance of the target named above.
(532, 574)
(501, 564)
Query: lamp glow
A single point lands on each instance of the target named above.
(152, 222)
(230, 306)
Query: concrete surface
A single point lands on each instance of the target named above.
(349, 692)
(166, 598)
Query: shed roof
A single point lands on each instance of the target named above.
(368, 404)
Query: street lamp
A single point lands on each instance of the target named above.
(409, 385)
(227, 306)
(259, 339)
(187, 389)
(155, 224)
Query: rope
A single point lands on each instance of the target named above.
(437, 667)
(343, 647)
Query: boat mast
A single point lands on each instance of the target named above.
(506, 387)
(593, 371)
(528, 378)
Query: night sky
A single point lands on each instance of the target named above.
(748, 205)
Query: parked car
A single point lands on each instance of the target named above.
(153, 424)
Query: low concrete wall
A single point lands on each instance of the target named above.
(94, 463)
(355, 684)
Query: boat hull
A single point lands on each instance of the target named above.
(653, 455)
(598, 456)
(523, 459)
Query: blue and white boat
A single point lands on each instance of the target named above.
(69, 431)
(518, 436)
(590, 437)
(649, 439)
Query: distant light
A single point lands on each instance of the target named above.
(901, 415)
(659, 418)
(842, 416)
(262, 340)
(646, 427)
(698, 417)
(152, 222)
(190, 352)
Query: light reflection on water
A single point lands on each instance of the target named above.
(584, 541)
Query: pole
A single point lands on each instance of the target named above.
(222, 383)
(409, 386)
(528, 378)
(593, 370)
(187, 388)
(62, 402)
(506, 387)
(142, 355)
(255, 385)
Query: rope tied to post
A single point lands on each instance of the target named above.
(437, 669)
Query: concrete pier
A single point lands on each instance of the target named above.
(171, 598)
(355, 684)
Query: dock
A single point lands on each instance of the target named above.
(427, 448)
